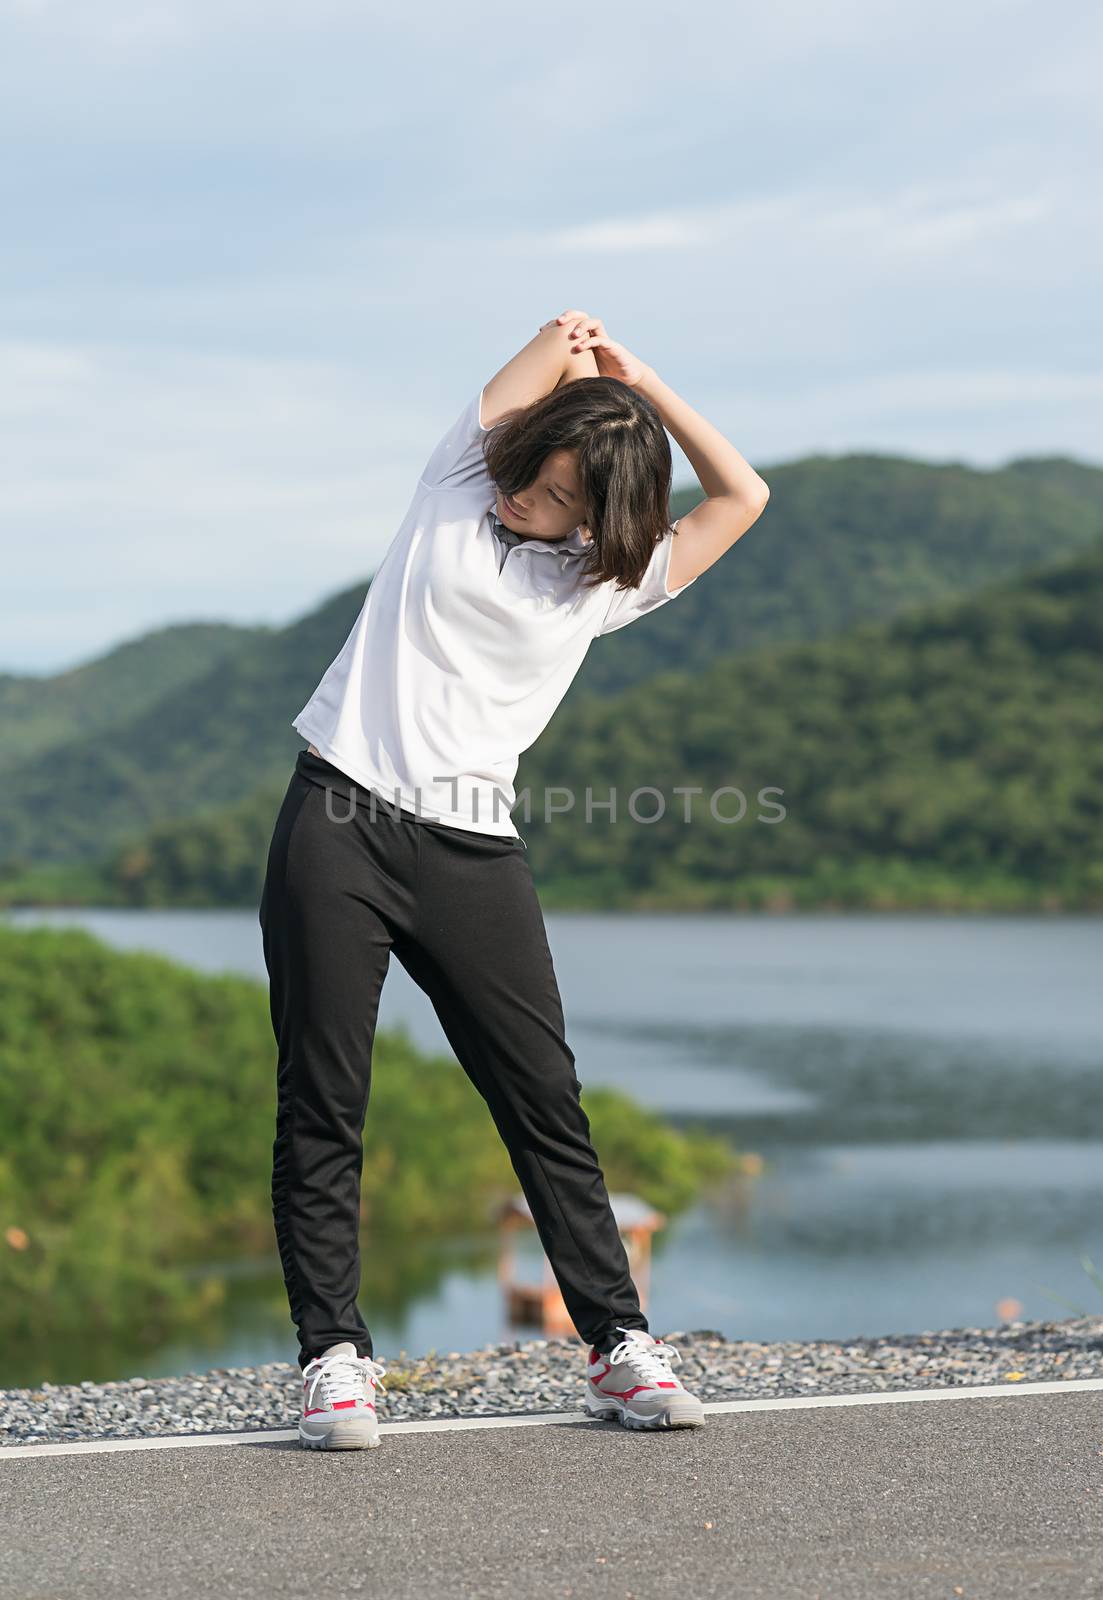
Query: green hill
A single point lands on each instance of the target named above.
(39, 714)
(203, 744)
(845, 540)
(1074, 478)
(858, 538)
(952, 757)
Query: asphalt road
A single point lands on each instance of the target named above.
(990, 1500)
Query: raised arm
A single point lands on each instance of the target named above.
(737, 496)
(539, 367)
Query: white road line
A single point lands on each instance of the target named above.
(987, 1391)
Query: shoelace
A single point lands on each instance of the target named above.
(651, 1361)
(342, 1377)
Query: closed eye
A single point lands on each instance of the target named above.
(557, 500)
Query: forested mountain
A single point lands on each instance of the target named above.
(953, 756)
(1075, 478)
(204, 743)
(41, 713)
(199, 719)
(859, 538)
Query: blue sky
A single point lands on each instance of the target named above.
(256, 257)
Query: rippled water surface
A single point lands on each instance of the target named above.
(926, 1093)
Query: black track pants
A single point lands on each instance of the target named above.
(460, 911)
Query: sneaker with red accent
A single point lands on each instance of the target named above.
(634, 1385)
(339, 1389)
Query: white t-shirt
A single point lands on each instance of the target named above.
(459, 656)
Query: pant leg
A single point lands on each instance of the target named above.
(481, 954)
(333, 895)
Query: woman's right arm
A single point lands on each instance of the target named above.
(538, 368)
(545, 362)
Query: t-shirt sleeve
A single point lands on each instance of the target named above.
(626, 605)
(458, 457)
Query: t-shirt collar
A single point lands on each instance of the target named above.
(576, 542)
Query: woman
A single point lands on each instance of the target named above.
(540, 521)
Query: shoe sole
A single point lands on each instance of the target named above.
(687, 1413)
(341, 1436)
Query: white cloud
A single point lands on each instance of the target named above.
(258, 252)
(965, 390)
(903, 222)
(170, 475)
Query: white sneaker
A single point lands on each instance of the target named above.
(339, 1389)
(634, 1385)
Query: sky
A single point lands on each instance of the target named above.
(255, 258)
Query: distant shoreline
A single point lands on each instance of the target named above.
(765, 899)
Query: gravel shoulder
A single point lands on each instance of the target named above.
(547, 1375)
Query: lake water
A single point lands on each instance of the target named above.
(925, 1091)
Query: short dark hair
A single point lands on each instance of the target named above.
(624, 467)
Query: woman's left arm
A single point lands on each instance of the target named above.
(737, 496)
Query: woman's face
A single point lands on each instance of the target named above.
(551, 506)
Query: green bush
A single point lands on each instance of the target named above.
(137, 1099)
